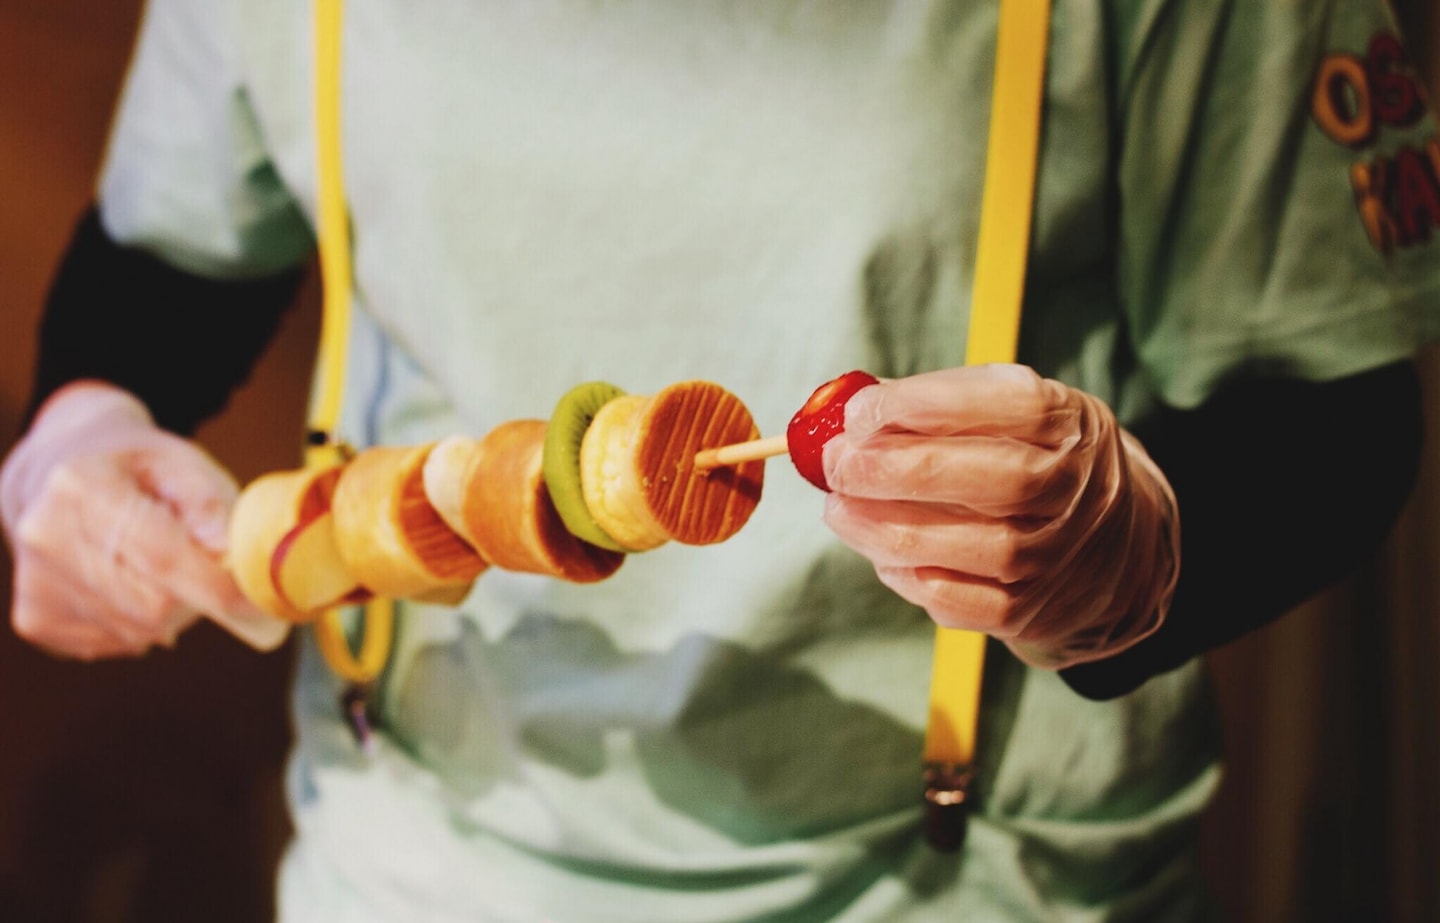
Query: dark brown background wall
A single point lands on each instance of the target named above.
(150, 791)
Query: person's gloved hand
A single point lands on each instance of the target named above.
(117, 531)
(1009, 504)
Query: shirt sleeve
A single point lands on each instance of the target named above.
(1247, 455)
(187, 177)
(1279, 182)
(1278, 191)
(176, 282)
(120, 315)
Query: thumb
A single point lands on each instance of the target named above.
(998, 400)
(200, 493)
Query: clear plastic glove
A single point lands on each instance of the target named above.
(117, 531)
(1010, 504)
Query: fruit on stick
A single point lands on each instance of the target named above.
(610, 486)
(820, 419)
(443, 479)
(609, 473)
(637, 467)
(307, 571)
(387, 532)
(569, 422)
(282, 545)
(492, 493)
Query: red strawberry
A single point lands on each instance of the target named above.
(821, 418)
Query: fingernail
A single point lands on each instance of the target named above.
(830, 461)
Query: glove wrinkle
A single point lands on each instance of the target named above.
(98, 504)
(1003, 502)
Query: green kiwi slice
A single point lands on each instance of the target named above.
(561, 465)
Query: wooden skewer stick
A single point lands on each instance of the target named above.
(739, 452)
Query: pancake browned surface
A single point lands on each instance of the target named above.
(696, 507)
(387, 532)
(508, 515)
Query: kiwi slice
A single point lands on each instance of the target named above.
(561, 466)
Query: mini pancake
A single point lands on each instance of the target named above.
(569, 422)
(388, 533)
(504, 509)
(638, 474)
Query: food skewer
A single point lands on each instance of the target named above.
(608, 475)
(741, 452)
(423, 522)
(816, 423)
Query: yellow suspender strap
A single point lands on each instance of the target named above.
(1004, 244)
(333, 230)
(335, 275)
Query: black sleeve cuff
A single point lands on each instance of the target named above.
(1284, 487)
(181, 343)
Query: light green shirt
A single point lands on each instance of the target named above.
(763, 194)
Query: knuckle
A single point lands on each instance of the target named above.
(991, 608)
(1014, 559)
(1035, 484)
(1018, 374)
(55, 637)
(104, 647)
(153, 614)
(162, 558)
(946, 612)
(1029, 563)
(63, 484)
(54, 513)
(86, 651)
(850, 469)
(29, 624)
(1008, 614)
(32, 529)
(1040, 393)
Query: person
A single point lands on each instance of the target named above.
(1230, 271)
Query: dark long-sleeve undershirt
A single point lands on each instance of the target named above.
(1283, 486)
(180, 342)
